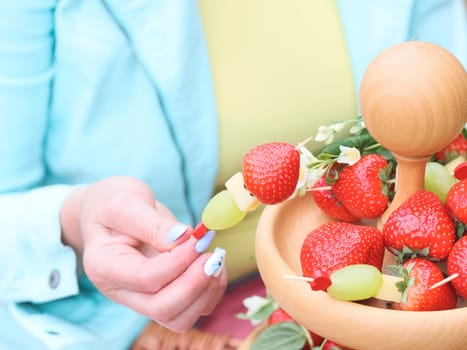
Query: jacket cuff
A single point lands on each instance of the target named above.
(43, 268)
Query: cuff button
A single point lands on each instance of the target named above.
(54, 279)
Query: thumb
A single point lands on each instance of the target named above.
(151, 223)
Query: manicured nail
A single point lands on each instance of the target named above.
(213, 266)
(176, 232)
(203, 243)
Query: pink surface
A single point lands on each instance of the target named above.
(223, 320)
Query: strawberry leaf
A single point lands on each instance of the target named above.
(406, 282)
(460, 229)
(408, 253)
(281, 336)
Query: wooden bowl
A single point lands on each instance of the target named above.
(279, 237)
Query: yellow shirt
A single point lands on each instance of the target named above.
(281, 69)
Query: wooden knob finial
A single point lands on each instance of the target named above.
(413, 100)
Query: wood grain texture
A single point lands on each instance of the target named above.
(280, 233)
(413, 100)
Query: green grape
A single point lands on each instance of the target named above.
(438, 179)
(222, 212)
(355, 282)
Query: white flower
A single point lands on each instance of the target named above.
(306, 157)
(254, 303)
(258, 309)
(338, 127)
(300, 189)
(325, 134)
(313, 176)
(348, 155)
(355, 129)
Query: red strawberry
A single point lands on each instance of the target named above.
(328, 203)
(456, 200)
(330, 345)
(457, 263)
(271, 171)
(421, 225)
(456, 148)
(420, 274)
(334, 245)
(362, 188)
(280, 315)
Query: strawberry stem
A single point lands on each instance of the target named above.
(371, 147)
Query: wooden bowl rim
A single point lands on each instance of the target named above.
(336, 319)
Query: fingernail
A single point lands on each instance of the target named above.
(213, 266)
(176, 232)
(203, 243)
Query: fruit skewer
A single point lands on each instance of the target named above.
(444, 281)
(354, 283)
(270, 173)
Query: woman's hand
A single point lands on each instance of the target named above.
(137, 254)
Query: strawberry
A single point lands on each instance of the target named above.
(422, 226)
(457, 263)
(271, 171)
(456, 200)
(419, 275)
(456, 148)
(328, 203)
(330, 345)
(334, 245)
(362, 188)
(280, 315)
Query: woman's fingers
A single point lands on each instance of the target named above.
(202, 306)
(136, 253)
(124, 266)
(145, 222)
(180, 303)
(126, 205)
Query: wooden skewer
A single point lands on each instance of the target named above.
(322, 188)
(299, 278)
(444, 281)
(304, 142)
(320, 280)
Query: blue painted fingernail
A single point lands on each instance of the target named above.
(176, 232)
(203, 243)
(213, 266)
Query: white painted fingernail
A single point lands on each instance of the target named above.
(213, 266)
(175, 233)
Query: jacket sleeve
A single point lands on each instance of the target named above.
(34, 264)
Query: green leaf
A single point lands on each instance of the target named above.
(359, 142)
(464, 132)
(261, 314)
(280, 336)
(460, 229)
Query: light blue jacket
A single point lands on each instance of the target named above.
(90, 89)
